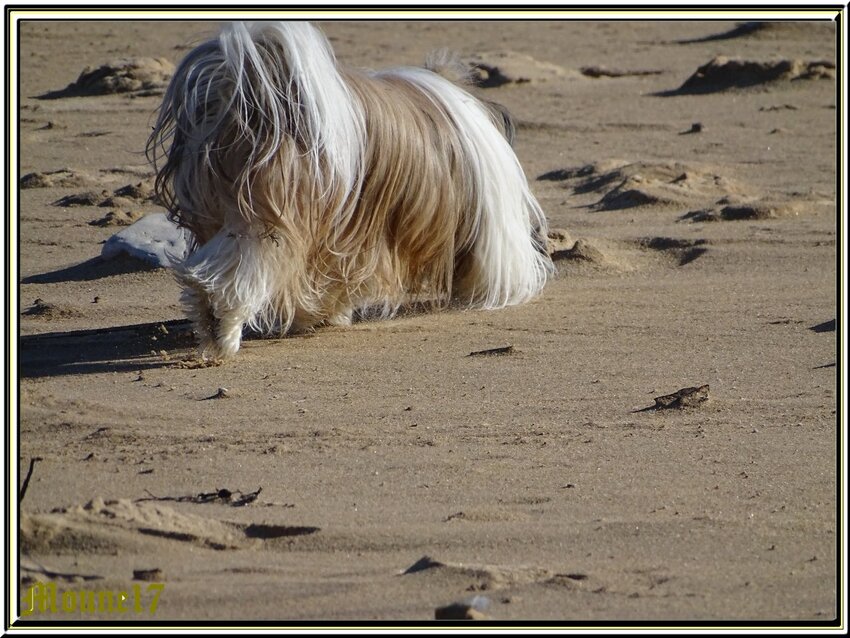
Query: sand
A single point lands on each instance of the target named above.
(307, 478)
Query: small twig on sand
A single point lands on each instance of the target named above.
(219, 496)
(29, 476)
(684, 398)
(492, 351)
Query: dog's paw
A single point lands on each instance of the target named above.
(229, 346)
(220, 349)
(215, 350)
(341, 319)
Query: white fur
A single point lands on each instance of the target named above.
(272, 156)
(512, 270)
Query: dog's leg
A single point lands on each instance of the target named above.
(196, 303)
(228, 336)
(225, 286)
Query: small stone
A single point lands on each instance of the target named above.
(151, 575)
(696, 127)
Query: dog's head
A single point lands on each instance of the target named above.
(243, 134)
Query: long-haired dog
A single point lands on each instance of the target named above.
(315, 192)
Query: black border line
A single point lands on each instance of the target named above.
(840, 202)
(7, 269)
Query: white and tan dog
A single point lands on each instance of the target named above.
(315, 192)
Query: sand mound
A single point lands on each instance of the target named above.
(722, 74)
(607, 256)
(116, 523)
(698, 189)
(123, 197)
(725, 210)
(558, 239)
(140, 191)
(63, 177)
(43, 310)
(490, 577)
(581, 251)
(115, 201)
(87, 198)
(496, 68)
(639, 184)
(680, 251)
(158, 520)
(106, 523)
(578, 255)
(125, 203)
(118, 218)
(135, 76)
(601, 256)
(769, 31)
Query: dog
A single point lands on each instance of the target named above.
(316, 193)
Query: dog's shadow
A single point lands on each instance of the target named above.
(115, 349)
(139, 346)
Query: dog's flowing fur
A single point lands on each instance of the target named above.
(314, 192)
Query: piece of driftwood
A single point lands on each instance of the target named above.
(234, 498)
(684, 398)
(492, 351)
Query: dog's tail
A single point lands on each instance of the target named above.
(507, 260)
(243, 105)
(449, 65)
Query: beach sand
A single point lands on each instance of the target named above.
(699, 247)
